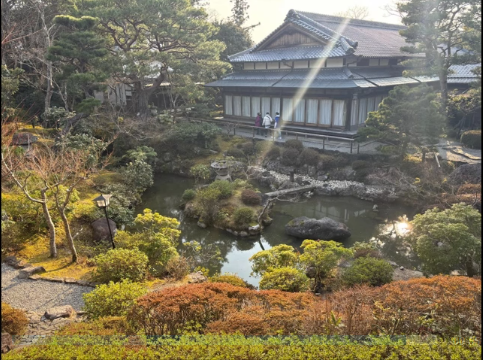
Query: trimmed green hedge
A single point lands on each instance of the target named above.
(471, 139)
(441, 350)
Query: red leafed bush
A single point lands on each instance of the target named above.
(443, 305)
(250, 197)
(169, 311)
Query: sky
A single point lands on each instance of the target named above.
(271, 13)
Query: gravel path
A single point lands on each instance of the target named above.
(38, 295)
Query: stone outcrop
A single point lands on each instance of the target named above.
(29, 271)
(7, 343)
(196, 278)
(101, 229)
(16, 263)
(322, 229)
(59, 312)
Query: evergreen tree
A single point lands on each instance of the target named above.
(437, 29)
(234, 36)
(239, 11)
(407, 116)
(81, 52)
(149, 37)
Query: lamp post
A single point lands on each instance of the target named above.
(102, 202)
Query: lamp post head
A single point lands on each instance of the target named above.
(102, 201)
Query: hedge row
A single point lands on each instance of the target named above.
(441, 350)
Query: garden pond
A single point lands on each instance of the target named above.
(364, 223)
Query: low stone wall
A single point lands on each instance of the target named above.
(276, 181)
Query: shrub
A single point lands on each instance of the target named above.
(368, 270)
(113, 299)
(178, 267)
(273, 153)
(277, 257)
(119, 264)
(188, 195)
(249, 148)
(200, 172)
(207, 203)
(471, 139)
(236, 153)
(138, 175)
(309, 157)
(14, 321)
(290, 157)
(104, 326)
(360, 164)
(224, 187)
(250, 197)
(171, 310)
(294, 144)
(332, 162)
(243, 216)
(444, 305)
(299, 349)
(284, 279)
(469, 189)
(232, 279)
(365, 250)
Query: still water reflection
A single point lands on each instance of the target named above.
(165, 195)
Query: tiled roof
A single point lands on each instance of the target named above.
(327, 78)
(463, 71)
(375, 39)
(358, 37)
(293, 53)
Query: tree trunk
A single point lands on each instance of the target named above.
(49, 91)
(443, 83)
(470, 270)
(141, 100)
(50, 224)
(68, 235)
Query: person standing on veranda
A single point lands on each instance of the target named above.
(267, 122)
(278, 125)
(258, 122)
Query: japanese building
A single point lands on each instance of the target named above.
(320, 72)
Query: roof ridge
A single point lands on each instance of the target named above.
(351, 42)
(356, 22)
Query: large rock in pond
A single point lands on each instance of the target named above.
(101, 229)
(467, 173)
(322, 229)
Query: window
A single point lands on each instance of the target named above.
(325, 112)
(228, 105)
(287, 109)
(363, 62)
(246, 106)
(362, 110)
(339, 112)
(255, 105)
(300, 111)
(260, 66)
(275, 106)
(371, 104)
(377, 101)
(392, 61)
(312, 111)
(265, 105)
(237, 105)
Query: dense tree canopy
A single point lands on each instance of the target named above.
(448, 240)
(438, 29)
(407, 116)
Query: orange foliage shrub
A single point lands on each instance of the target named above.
(444, 305)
